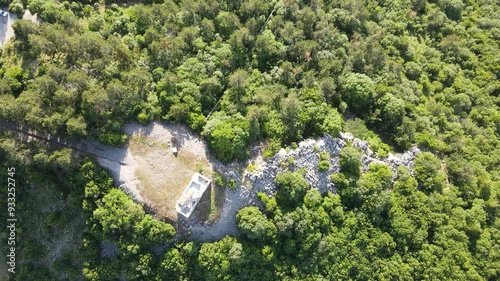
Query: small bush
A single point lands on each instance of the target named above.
(378, 146)
(340, 181)
(291, 189)
(219, 180)
(350, 161)
(200, 168)
(324, 155)
(113, 139)
(252, 167)
(143, 118)
(232, 184)
(269, 202)
(17, 8)
(430, 142)
(382, 153)
(358, 128)
(323, 165)
(272, 148)
(289, 162)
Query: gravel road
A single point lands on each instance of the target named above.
(6, 31)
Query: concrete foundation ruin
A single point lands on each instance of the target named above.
(192, 195)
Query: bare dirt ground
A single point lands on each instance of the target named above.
(154, 175)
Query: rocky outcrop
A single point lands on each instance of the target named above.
(307, 156)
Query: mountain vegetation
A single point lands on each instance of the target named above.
(395, 73)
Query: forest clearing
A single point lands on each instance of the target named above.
(155, 176)
(163, 176)
(344, 140)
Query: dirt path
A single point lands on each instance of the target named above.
(6, 31)
(226, 225)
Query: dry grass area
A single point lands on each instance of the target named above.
(217, 198)
(163, 175)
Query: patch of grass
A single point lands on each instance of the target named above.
(358, 128)
(324, 155)
(217, 198)
(219, 180)
(252, 167)
(232, 184)
(162, 195)
(164, 176)
(272, 148)
(214, 214)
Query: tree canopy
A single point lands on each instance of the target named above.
(393, 73)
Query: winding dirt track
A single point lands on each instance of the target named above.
(93, 148)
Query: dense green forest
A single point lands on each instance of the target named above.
(395, 73)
